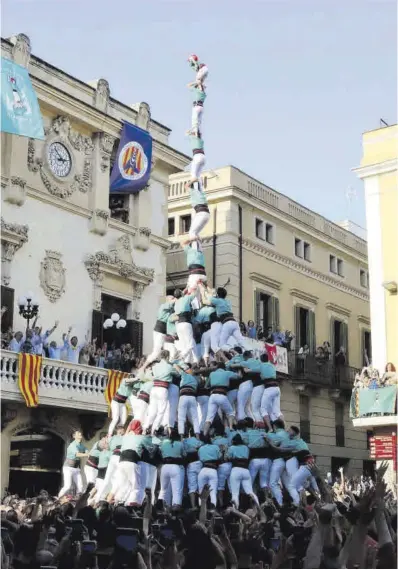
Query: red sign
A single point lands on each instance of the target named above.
(383, 447)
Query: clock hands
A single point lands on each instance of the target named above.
(59, 156)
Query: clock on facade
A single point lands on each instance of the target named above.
(59, 159)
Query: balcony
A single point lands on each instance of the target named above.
(62, 384)
(372, 408)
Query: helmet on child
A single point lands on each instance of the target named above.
(193, 61)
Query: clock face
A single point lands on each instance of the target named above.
(59, 159)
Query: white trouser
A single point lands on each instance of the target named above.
(233, 397)
(72, 475)
(140, 410)
(171, 347)
(197, 165)
(193, 470)
(157, 408)
(223, 471)
(278, 465)
(291, 468)
(158, 342)
(170, 416)
(148, 480)
(127, 482)
(298, 481)
(215, 332)
(187, 342)
(197, 112)
(240, 476)
(271, 403)
(217, 401)
(90, 474)
(119, 416)
(199, 221)
(99, 485)
(208, 476)
(255, 403)
(203, 404)
(244, 395)
(187, 407)
(111, 469)
(205, 344)
(132, 399)
(260, 466)
(172, 475)
(202, 74)
(193, 281)
(231, 328)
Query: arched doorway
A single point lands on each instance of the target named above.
(36, 457)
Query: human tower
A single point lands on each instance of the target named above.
(205, 410)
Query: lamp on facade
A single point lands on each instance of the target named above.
(115, 320)
(28, 307)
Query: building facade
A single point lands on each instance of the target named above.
(82, 253)
(287, 266)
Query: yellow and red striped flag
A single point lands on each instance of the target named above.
(114, 379)
(29, 371)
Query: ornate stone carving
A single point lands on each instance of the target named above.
(145, 231)
(52, 275)
(99, 222)
(144, 116)
(142, 239)
(13, 236)
(21, 50)
(33, 163)
(138, 289)
(136, 315)
(16, 181)
(19, 230)
(15, 191)
(127, 270)
(101, 95)
(106, 143)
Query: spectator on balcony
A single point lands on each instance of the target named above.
(289, 336)
(251, 330)
(260, 333)
(243, 328)
(326, 350)
(320, 355)
(73, 348)
(16, 342)
(304, 351)
(390, 376)
(269, 337)
(55, 351)
(340, 359)
(39, 340)
(279, 337)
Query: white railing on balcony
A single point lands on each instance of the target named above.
(62, 384)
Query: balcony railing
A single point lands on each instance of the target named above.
(321, 373)
(61, 384)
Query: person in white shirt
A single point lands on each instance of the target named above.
(40, 340)
(73, 348)
(16, 342)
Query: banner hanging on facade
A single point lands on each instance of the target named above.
(20, 111)
(378, 401)
(132, 167)
(29, 372)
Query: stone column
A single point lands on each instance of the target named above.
(103, 145)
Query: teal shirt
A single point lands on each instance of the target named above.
(231, 434)
(204, 314)
(221, 378)
(104, 458)
(197, 197)
(196, 143)
(146, 387)
(222, 305)
(198, 95)
(255, 438)
(253, 364)
(74, 448)
(134, 442)
(115, 441)
(173, 449)
(183, 304)
(164, 371)
(164, 311)
(171, 326)
(267, 370)
(95, 451)
(191, 444)
(188, 380)
(296, 444)
(237, 359)
(238, 452)
(125, 389)
(194, 257)
(209, 452)
(280, 437)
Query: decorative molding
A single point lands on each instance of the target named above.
(267, 281)
(52, 275)
(376, 169)
(106, 143)
(138, 289)
(338, 309)
(61, 126)
(101, 95)
(13, 236)
(111, 263)
(15, 191)
(34, 164)
(304, 269)
(364, 320)
(304, 296)
(21, 49)
(99, 222)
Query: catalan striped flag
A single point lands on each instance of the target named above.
(114, 379)
(29, 371)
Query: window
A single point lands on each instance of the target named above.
(338, 462)
(369, 434)
(118, 206)
(339, 419)
(185, 224)
(336, 265)
(172, 226)
(307, 251)
(259, 229)
(340, 267)
(366, 348)
(298, 247)
(269, 233)
(364, 278)
(305, 424)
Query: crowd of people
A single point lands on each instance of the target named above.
(370, 377)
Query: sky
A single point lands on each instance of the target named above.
(292, 84)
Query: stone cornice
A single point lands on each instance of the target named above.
(364, 320)
(14, 234)
(271, 283)
(338, 309)
(105, 263)
(376, 169)
(303, 269)
(304, 296)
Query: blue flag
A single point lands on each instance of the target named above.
(132, 167)
(20, 111)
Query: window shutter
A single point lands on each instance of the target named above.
(297, 326)
(344, 336)
(275, 312)
(7, 300)
(332, 343)
(96, 327)
(135, 335)
(362, 348)
(257, 305)
(311, 331)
